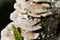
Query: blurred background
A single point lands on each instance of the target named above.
(6, 7)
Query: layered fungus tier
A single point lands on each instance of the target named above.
(34, 20)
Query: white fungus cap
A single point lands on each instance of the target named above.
(14, 15)
(22, 2)
(7, 33)
(30, 35)
(36, 8)
(17, 6)
(26, 25)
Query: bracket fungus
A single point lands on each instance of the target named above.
(36, 20)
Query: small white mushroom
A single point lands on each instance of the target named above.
(26, 25)
(39, 15)
(17, 6)
(29, 35)
(36, 8)
(22, 2)
(14, 15)
(46, 14)
(45, 5)
(7, 33)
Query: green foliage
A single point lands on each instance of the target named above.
(17, 34)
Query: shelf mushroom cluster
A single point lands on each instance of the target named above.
(27, 17)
